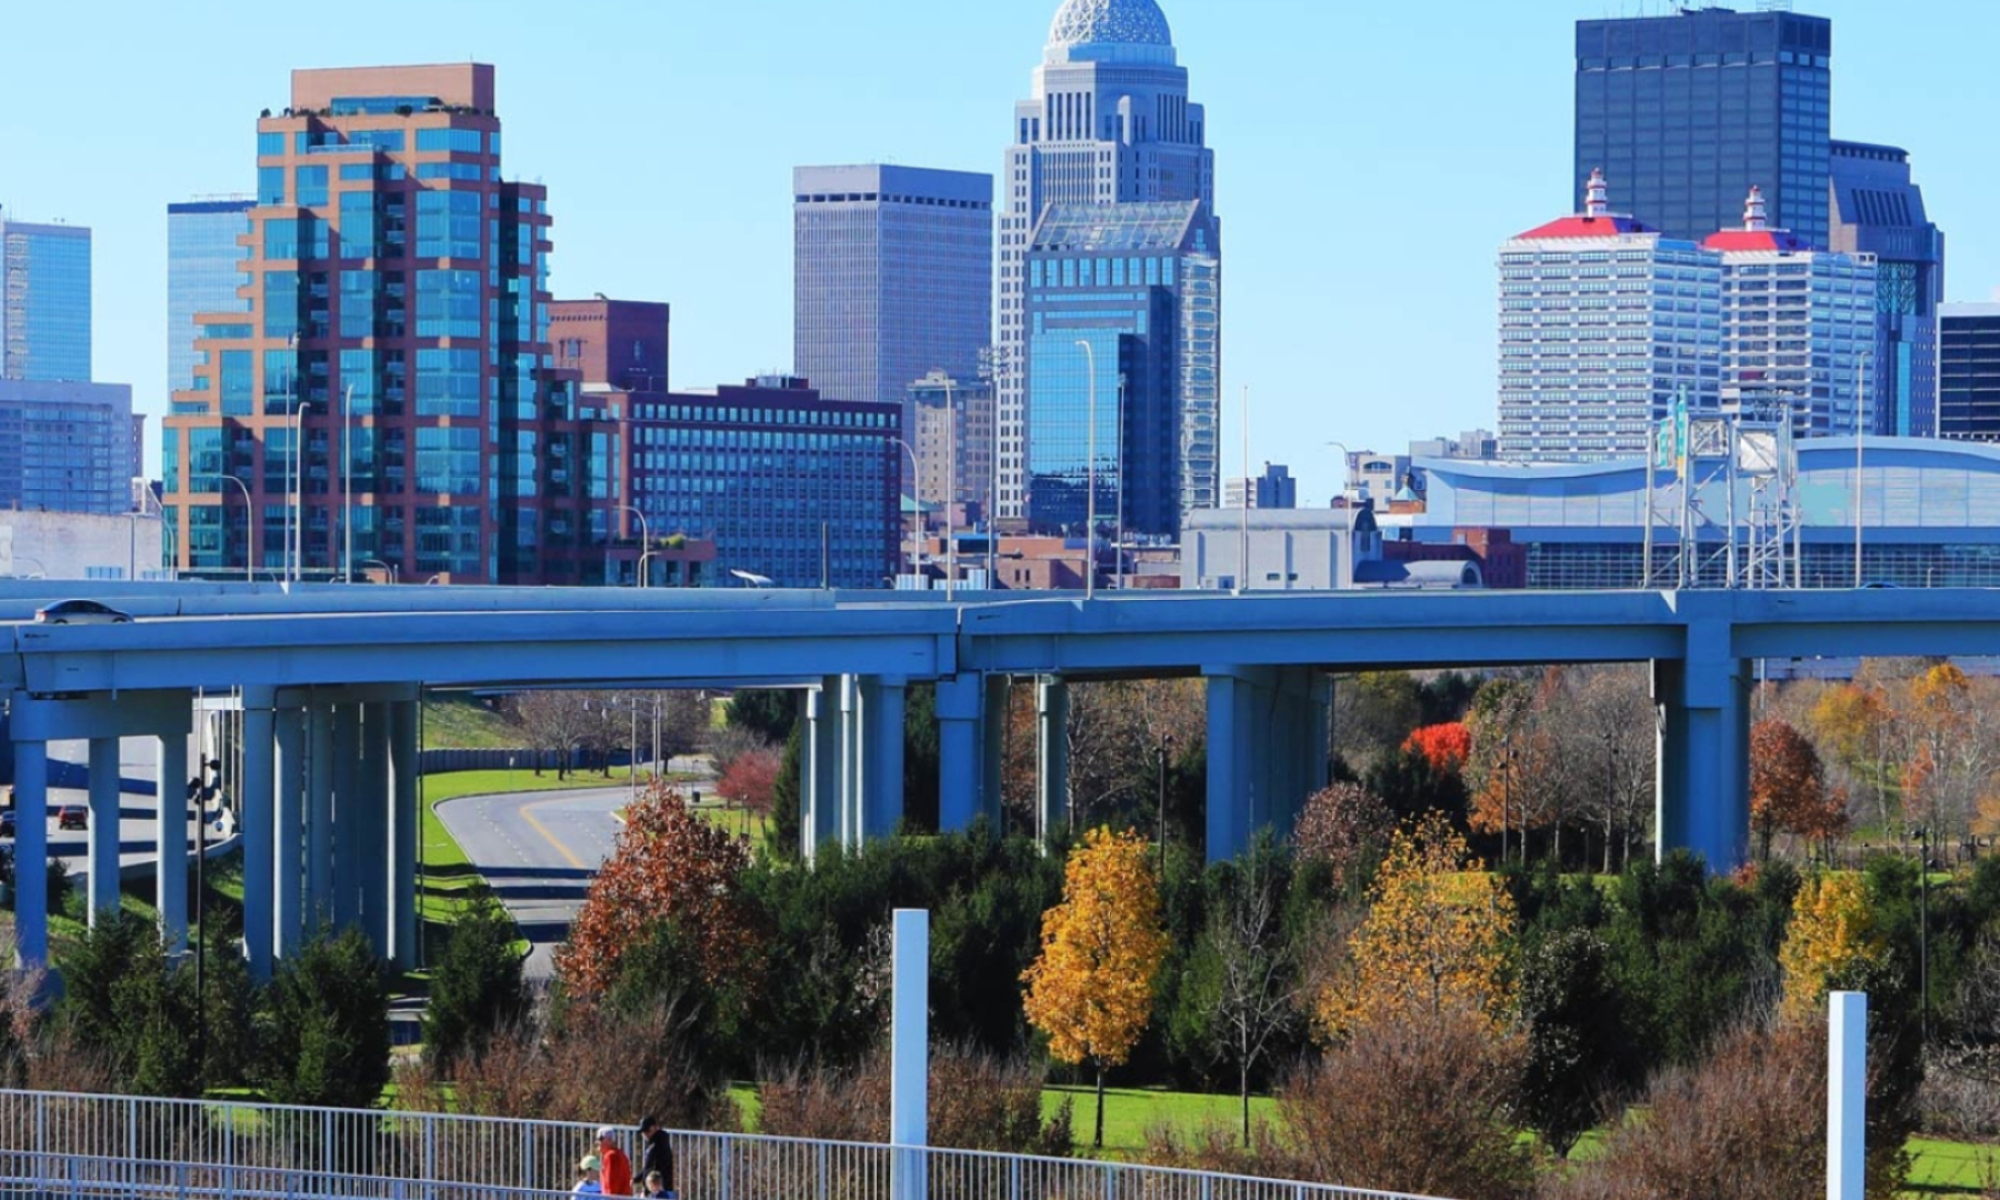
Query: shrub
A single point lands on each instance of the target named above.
(324, 1029)
(477, 987)
(978, 1101)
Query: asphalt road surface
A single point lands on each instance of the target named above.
(539, 851)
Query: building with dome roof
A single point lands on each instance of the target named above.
(1109, 124)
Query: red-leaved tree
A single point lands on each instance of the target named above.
(750, 779)
(1445, 747)
(668, 864)
(1788, 787)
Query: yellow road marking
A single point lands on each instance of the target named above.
(528, 815)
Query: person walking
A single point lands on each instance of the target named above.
(617, 1177)
(658, 1157)
(656, 1187)
(589, 1175)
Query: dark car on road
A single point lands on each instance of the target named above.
(7, 823)
(73, 816)
(81, 612)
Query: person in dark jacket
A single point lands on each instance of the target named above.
(659, 1154)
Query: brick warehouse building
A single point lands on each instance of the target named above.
(398, 327)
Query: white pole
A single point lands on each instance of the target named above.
(1243, 544)
(909, 1052)
(1860, 391)
(1090, 481)
(297, 510)
(950, 493)
(1846, 1095)
(347, 485)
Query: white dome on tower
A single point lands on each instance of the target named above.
(1128, 30)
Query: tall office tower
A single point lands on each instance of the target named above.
(1275, 488)
(1123, 309)
(44, 301)
(1969, 376)
(66, 446)
(1685, 111)
(1606, 325)
(1878, 210)
(204, 274)
(953, 437)
(1798, 326)
(893, 272)
(393, 360)
(1109, 123)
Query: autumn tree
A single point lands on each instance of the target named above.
(1512, 757)
(1436, 937)
(751, 779)
(1343, 826)
(1445, 747)
(1831, 942)
(1251, 968)
(1954, 749)
(1788, 787)
(1091, 988)
(668, 866)
(555, 723)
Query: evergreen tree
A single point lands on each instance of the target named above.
(325, 1025)
(477, 987)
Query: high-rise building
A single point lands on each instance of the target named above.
(1798, 327)
(893, 275)
(1878, 210)
(66, 446)
(791, 487)
(1685, 111)
(1606, 325)
(1109, 123)
(1275, 488)
(393, 361)
(204, 274)
(1123, 308)
(1969, 376)
(953, 438)
(44, 301)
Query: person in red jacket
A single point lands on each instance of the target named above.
(617, 1180)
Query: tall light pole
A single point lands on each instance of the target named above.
(1090, 480)
(173, 539)
(347, 485)
(297, 509)
(917, 473)
(249, 517)
(1345, 455)
(1860, 399)
(645, 540)
(950, 495)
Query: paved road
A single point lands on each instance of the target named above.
(539, 851)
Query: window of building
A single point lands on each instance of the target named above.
(311, 187)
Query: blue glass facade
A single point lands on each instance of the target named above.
(204, 272)
(1138, 284)
(1684, 113)
(66, 446)
(1969, 379)
(1879, 210)
(44, 302)
(787, 485)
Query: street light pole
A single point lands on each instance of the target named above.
(1090, 480)
(645, 540)
(1860, 398)
(347, 485)
(950, 495)
(917, 474)
(297, 510)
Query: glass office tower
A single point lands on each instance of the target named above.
(204, 274)
(1969, 377)
(1109, 123)
(1685, 112)
(44, 302)
(1139, 284)
(1879, 210)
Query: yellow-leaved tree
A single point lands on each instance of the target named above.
(1437, 938)
(1830, 943)
(1091, 988)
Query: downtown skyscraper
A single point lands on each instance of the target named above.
(1684, 112)
(389, 397)
(1109, 124)
(44, 302)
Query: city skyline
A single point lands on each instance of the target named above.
(1493, 97)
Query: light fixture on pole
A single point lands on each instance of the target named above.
(917, 473)
(1090, 479)
(249, 517)
(645, 541)
(298, 497)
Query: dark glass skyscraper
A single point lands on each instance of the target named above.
(1969, 377)
(1687, 112)
(1878, 210)
(1139, 285)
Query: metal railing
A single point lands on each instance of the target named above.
(66, 1145)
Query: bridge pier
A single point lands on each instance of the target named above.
(403, 827)
(880, 796)
(970, 711)
(105, 794)
(1051, 758)
(1703, 792)
(286, 833)
(319, 816)
(373, 804)
(349, 844)
(1266, 751)
(820, 790)
(170, 877)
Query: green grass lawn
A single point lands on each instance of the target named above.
(463, 723)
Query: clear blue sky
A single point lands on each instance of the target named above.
(1370, 156)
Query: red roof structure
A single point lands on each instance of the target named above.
(1596, 221)
(1756, 233)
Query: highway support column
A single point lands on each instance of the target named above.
(105, 793)
(961, 747)
(1703, 793)
(1266, 751)
(1051, 758)
(170, 879)
(255, 825)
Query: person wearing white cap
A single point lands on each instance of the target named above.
(588, 1175)
(617, 1171)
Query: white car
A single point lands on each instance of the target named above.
(81, 612)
